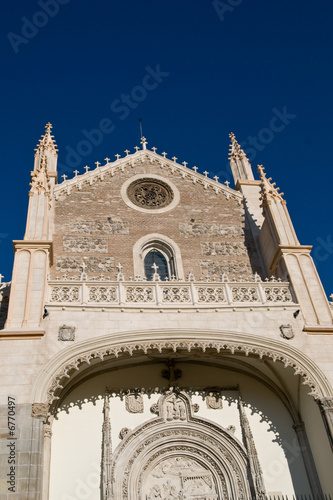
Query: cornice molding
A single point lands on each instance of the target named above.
(140, 156)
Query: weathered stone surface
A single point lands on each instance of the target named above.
(84, 244)
(199, 229)
(222, 248)
(231, 268)
(92, 264)
(109, 226)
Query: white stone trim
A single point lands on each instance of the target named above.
(173, 204)
(139, 249)
(50, 378)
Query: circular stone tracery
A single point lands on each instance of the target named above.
(150, 193)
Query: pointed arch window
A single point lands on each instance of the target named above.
(155, 258)
(157, 253)
(157, 250)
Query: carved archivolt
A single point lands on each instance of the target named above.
(178, 455)
(55, 375)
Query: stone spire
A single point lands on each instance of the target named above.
(47, 147)
(106, 450)
(239, 163)
(258, 485)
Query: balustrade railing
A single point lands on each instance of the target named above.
(169, 293)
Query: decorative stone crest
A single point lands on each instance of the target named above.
(150, 193)
(134, 403)
(214, 400)
(287, 332)
(66, 333)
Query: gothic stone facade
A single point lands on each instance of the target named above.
(164, 336)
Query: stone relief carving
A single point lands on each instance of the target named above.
(40, 410)
(178, 478)
(123, 432)
(287, 331)
(174, 408)
(66, 333)
(214, 400)
(134, 403)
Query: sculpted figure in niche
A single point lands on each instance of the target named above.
(214, 400)
(175, 408)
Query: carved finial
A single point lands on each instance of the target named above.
(64, 177)
(195, 169)
(144, 142)
(227, 183)
(154, 149)
(174, 158)
(1, 276)
(117, 156)
(75, 172)
(136, 148)
(205, 173)
(164, 154)
(127, 152)
(86, 168)
(184, 163)
(97, 163)
(107, 160)
(215, 178)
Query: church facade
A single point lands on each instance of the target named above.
(164, 336)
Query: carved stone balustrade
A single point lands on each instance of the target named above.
(169, 294)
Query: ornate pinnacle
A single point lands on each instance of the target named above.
(47, 141)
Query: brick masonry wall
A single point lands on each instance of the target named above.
(96, 223)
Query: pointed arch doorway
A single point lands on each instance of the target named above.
(177, 456)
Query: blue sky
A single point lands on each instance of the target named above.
(194, 71)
